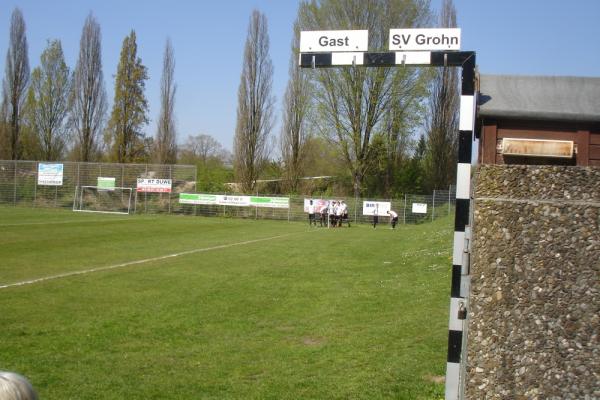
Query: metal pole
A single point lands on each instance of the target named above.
(404, 208)
(15, 183)
(433, 206)
(449, 187)
(35, 185)
(171, 178)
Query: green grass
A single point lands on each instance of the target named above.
(357, 313)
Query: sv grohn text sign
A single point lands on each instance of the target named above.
(424, 39)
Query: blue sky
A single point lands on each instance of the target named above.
(527, 37)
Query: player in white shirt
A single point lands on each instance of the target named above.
(311, 214)
(393, 218)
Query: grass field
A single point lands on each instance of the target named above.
(221, 308)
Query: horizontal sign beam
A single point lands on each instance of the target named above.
(389, 59)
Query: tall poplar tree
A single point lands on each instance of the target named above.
(129, 112)
(166, 134)
(47, 102)
(14, 84)
(88, 95)
(255, 105)
(296, 106)
(442, 124)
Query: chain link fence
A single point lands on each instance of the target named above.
(437, 205)
(19, 186)
(19, 183)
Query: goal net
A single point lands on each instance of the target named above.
(115, 200)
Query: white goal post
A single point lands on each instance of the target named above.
(115, 200)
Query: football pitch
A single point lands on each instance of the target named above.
(96, 306)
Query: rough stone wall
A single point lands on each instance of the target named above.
(534, 315)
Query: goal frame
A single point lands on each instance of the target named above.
(78, 199)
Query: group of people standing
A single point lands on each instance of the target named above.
(332, 214)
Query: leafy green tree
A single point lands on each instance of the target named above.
(14, 84)
(355, 103)
(47, 102)
(130, 108)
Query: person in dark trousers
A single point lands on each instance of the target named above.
(311, 214)
(393, 218)
(375, 215)
(323, 220)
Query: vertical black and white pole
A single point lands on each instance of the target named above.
(460, 258)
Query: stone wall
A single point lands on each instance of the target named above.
(534, 315)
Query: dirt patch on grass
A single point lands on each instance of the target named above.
(435, 378)
(312, 341)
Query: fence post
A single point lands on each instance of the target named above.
(404, 208)
(35, 184)
(433, 206)
(171, 178)
(449, 187)
(15, 184)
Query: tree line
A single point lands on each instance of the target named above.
(53, 113)
(369, 131)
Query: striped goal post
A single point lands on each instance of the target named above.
(460, 254)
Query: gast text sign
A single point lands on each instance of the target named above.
(424, 39)
(332, 41)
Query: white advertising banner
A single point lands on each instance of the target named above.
(318, 203)
(376, 207)
(50, 174)
(419, 208)
(424, 39)
(227, 200)
(154, 185)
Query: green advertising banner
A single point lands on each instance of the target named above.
(234, 200)
(193, 198)
(270, 202)
(106, 183)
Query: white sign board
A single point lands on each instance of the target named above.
(376, 208)
(419, 208)
(333, 41)
(240, 201)
(153, 185)
(50, 174)
(424, 39)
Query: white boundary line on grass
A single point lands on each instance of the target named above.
(136, 262)
(72, 221)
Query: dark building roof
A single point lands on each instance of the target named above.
(558, 98)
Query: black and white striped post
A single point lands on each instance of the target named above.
(460, 259)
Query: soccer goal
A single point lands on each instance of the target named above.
(96, 199)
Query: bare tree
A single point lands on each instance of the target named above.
(353, 102)
(166, 135)
(16, 78)
(202, 149)
(255, 104)
(294, 134)
(47, 101)
(88, 97)
(442, 125)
